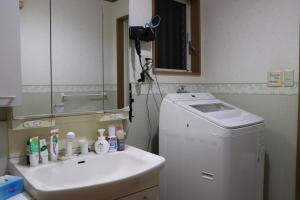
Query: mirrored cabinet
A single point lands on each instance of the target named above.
(69, 56)
(77, 56)
(10, 72)
(35, 58)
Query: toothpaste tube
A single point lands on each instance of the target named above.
(54, 144)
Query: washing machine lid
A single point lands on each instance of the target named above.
(217, 111)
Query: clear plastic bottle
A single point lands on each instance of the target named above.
(112, 139)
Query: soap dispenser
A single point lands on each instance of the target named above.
(101, 145)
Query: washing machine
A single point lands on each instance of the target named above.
(213, 150)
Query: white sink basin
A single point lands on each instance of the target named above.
(92, 176)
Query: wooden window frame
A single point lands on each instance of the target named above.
(195, 38)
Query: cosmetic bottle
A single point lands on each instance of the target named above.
(101, 145)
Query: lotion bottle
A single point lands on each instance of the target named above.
(43, 151)
(34, 151)
(54, 144)
(112, 139)
(101, 145)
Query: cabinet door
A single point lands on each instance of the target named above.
(149, 194)
(10, 66)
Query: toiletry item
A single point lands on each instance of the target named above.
(70, 138)
(101, 145)
(119, 127)
(84, 146)
(43, 151)
(54, 144)
(34, 151)
(10, 186)
(112, 139)
(121, 140)
(111, 130)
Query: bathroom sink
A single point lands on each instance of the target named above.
(92, 176)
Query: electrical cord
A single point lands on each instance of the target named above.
(158, 87)
(153, 26)
(149, 120)
(140, 59)
(157, 107)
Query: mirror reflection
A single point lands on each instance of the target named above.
(77, 72)
(116, 45)
(35, 58)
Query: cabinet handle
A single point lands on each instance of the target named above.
(10, 98)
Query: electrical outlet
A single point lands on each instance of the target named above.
(275, 78)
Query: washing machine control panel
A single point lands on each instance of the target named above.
(190, 96)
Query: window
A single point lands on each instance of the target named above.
(176, 50)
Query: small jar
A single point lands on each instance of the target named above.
(121, 140)
(84, 147)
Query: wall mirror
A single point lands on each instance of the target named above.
(70, 53)
(176, 50)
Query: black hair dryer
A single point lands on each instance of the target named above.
(147, 33)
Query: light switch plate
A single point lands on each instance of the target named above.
(288, 78)
(275, 78)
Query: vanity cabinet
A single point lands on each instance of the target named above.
(10, 64)
(149, 194)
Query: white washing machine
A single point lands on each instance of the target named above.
(213, 150)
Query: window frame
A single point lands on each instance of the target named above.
(195, 39)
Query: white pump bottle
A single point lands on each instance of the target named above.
(101, 145)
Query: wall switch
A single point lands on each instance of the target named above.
(275, 78)
(288, 78)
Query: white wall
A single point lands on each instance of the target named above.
(241, 39)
